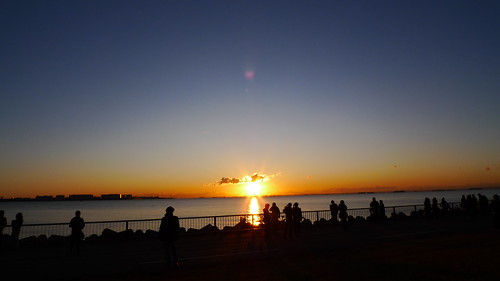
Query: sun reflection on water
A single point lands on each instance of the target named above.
(254, 209)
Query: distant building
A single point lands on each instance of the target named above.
(60, 197)
(81, 197)
(111, 196)
(44, 197)
(127, 196)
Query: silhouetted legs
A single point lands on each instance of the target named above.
(75, 242)
(170, 253)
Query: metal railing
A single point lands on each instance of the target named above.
(221, 222)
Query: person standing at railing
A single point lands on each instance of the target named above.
(444, 206)
(382, 209)
(495, 208)
(169, 233)
(334, 211)
(275, 214)
(16, 229)
(266, 219)
(343, 213)
(76, 224)
(297, 217)
(288, 220)
(374, 209)
(427, 207)
(3, 223)
(435, 207)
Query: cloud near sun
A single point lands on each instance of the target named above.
(246, 179)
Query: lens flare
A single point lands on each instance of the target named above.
(249, 74)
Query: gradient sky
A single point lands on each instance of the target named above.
(168, 97)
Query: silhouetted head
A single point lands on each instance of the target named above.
(267, 205)
(170, 210)
(289, 204)
(373, 199)
(77, 213)
(19, 216)
(495, 197)
(1, 213)
(381, 201)
(333, 202)
(295, 204)
(274, 203)
(342, 202)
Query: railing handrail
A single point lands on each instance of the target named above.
(211, 217)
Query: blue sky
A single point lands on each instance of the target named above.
(151, 97)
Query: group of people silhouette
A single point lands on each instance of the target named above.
(339, 211)
(76, 224)
(292, 218)
(16, 228)
(377, 209)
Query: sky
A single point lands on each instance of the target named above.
(200, 98)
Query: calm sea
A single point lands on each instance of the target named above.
(97, 210)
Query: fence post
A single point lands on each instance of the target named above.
(215, 221)
(415, 208)
(394, 210)
(126, 226)
(317, 216)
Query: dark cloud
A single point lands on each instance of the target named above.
(252, 178)
(225, 180)
(256, 177)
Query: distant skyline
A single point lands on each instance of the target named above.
(224, 98)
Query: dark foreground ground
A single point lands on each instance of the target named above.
(418, 249)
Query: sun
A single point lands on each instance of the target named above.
(253, 188)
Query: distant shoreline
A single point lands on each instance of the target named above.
(88, 198)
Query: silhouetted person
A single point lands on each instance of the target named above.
(266, 219)
(275, 214)
(297, 217)
(334, 211)
(169, 233)
(374, 208)
(463, 203)
(76, 224)
(435, 207)
(473, 205)
(445, 207)
(468, 205)
(288, 219)
(381, 209)
(343, 213)
(427, 207)
(16, 229)
(484, 208)
(495, 208)
(3, 223)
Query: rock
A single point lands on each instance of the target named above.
(139, 233)
(126, 233)
(151, 233)
(108, 234)
(92, 238)
(57, 240)
(209, 228)
(42, 239)
(28, 241)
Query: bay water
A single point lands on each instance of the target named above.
(37, 212)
